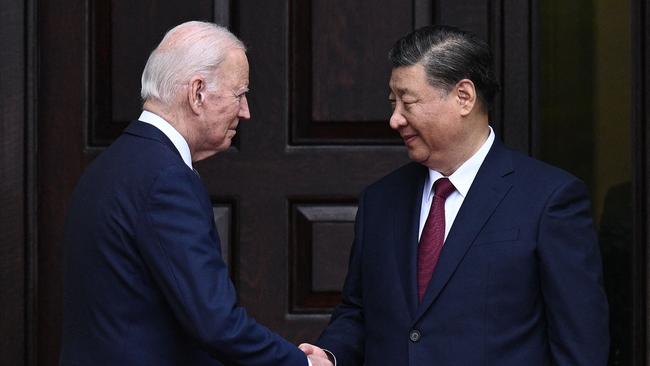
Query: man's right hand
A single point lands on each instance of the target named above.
(319, 361)
(316, 355)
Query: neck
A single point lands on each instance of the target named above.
(475, 139)
(174, 118)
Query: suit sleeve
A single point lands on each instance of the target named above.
(180, 245)
(344, 336)
(571, 280)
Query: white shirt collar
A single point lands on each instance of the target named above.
(463, 177)
(171, 133)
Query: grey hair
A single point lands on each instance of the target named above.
(186, 50)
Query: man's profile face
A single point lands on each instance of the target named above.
(225, 106)
(426, 118)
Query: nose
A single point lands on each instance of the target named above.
(397, 120)
(244, 112)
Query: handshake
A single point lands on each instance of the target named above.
(317, 356)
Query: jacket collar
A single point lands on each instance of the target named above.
(147, 131)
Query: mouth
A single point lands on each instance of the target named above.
(232, 131)
(408, 137)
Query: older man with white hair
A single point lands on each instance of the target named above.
(145, 283)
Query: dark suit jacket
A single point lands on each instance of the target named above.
(145, 283)
(518, 281)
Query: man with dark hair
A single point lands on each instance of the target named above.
(472, 254)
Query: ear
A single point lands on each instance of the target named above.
(196, 94)
(466, 95)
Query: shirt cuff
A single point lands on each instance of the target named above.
(331, 357)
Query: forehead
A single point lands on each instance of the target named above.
(234, 68)
(408, 78)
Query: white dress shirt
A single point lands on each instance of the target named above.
(176, 138)
(462, 179)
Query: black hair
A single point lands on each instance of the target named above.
(449, 55)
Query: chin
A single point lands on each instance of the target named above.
(202, 156)
(225, 145)
(417, 156)
(221, 148)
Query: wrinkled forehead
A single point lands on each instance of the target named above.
(234, 70)
(405, 78)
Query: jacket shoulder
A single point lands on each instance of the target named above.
(406, 175)
(540, 171)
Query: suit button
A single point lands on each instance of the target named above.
(414, 335)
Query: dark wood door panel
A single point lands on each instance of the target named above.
(338, 69)
(14, 238)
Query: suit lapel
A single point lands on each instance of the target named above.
(406, 213)
(488, 189)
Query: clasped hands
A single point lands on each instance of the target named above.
(316, 355)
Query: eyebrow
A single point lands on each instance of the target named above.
(242, 90)
(401, 91)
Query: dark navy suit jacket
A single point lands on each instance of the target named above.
(518, 281)
(145, 283)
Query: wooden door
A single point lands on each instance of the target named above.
(285, 194)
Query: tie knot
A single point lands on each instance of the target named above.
(443, 188)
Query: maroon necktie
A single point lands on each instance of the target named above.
(433, 235)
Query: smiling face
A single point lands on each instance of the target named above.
(433, 122)
(221, 109)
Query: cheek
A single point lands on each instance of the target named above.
(427, 124)
(219, 126)
(229, 113)
(214, 126)
(435, 132)
(221, 118)
(221, 110)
